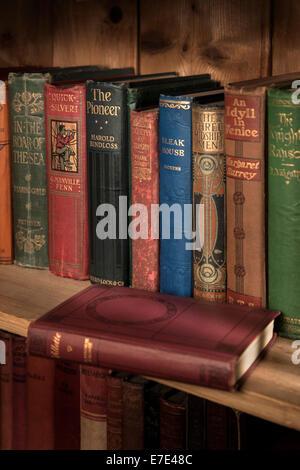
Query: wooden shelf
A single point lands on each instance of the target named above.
(26, 294)
(272, 391)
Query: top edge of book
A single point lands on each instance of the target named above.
(58, 74)
(193, 94)
(155, 79)
(263, 82)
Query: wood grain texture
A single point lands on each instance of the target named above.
(286, 36)
(26, 31)
(95, 32)
(231, 39)
(271, 392)
(26, 294)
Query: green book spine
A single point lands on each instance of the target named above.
(26, 99)
(284, 209)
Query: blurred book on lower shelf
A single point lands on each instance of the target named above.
(116, 411)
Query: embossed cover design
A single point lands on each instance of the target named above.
(29, 191)
(209, 260)
(67, 180)
(245, 188)
(26, 100)
(149, 333)
(245, 134)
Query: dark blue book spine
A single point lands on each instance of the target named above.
(175, 147)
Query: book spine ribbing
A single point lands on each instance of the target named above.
(29, 191)
(6, 247)
(175, 154)
(93, 408)
(133, 415)
(245, 196)
(145, 190)
(284, 210)
(209, 259)
(65, 118)
(114, 413)
(107, 153)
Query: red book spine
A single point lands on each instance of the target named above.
(173, 421)
(19, 393)
(145, 190)
(67, 406)
(146, 333)
(40, 403)
(6, 402)
(133, 416)
(93, 389)
(114, 413)
(67, 181)
(6, 242)
(137, 358)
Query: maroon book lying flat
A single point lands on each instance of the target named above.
(165, 336)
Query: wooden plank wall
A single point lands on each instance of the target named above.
(232, 39)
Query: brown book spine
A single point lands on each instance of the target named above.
(173, 421)
(6, 383)
(114, 413)
(67, 406)
(93, 408)
(133, 415)
(19, 392)
(6, 247)
(40, 403)
(245, 186)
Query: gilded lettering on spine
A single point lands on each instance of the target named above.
(55, 345)
(29, 168)
(284, 210)
(245, 193)
(87, 350)
(284, 144)
(208, 193)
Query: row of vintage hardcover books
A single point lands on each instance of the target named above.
(92, 160)
(48, 404)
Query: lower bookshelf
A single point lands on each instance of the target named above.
(271, 392)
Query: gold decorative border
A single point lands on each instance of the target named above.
(174, 104)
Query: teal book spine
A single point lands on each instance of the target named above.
(28, 147)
